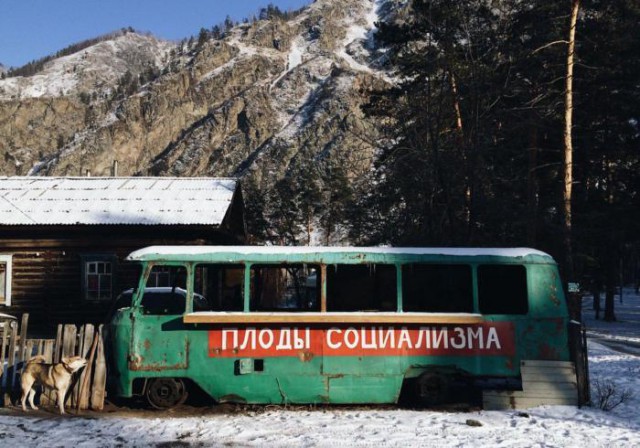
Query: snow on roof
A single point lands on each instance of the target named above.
(187, 251)
(114, 200)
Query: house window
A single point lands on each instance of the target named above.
(167, 276)
(5, 280)
(98, 275)
(99, 280)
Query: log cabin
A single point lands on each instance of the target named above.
(63, 240)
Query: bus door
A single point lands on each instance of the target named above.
(159, 341)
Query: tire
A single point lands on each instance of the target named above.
(166, 393)
(432, 389)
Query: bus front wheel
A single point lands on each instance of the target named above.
(165, 393)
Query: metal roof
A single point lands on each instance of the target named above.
(114, 200)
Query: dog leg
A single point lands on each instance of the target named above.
(32, 394)
(61, 394)
(26, 384)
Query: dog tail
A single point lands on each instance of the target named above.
(40, 359)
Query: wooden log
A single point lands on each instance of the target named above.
(99, 375)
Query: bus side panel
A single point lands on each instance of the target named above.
(546, 297)
(255, 379)
(543, 339)
(543, 334)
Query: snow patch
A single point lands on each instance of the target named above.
(95, 67)
(295, 54)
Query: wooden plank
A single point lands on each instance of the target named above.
(3, 352)
(86, 347)
(330, 318)
(27, 353)
(546, 393)
(510, 402)
(47, 398)
(543, 387)
(24, 323)
(549, 376)
(11, 358)
(99, 376)
(74, 390)
(48, 350)
(69, 341)
(531, 363)
(57, 348)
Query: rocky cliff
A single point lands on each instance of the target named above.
(258, 102)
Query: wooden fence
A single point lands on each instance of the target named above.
(88, 390)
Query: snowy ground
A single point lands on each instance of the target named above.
(610, 360)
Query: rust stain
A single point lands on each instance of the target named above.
(155, 367)
(305, 356)
(147, 344)
(509, 363)
(547, 352)
(136, 362)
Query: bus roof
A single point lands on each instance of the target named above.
(335, 254)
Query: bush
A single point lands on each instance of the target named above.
(607, 396)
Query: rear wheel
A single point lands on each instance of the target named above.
(432, 389)
(165, 393)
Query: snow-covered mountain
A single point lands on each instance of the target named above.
(94, 69)
(268, 99)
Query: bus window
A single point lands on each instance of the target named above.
(361, 287)
(221, 285)
(502, 289)
(437, 288)
(165, 292)
(169, 276)
(292, 287)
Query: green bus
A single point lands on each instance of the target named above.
(334, 324)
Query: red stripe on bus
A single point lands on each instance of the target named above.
(491, 338)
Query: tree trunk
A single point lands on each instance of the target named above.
(609, 314)
(568, 144)
(532, 188)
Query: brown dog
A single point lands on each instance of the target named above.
(55, 376)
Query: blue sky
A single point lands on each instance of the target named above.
(31, 29)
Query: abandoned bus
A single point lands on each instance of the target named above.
(335, 325)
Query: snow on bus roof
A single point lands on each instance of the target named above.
(189, 251)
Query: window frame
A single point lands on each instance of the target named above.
(86, 260)
(7, 260)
